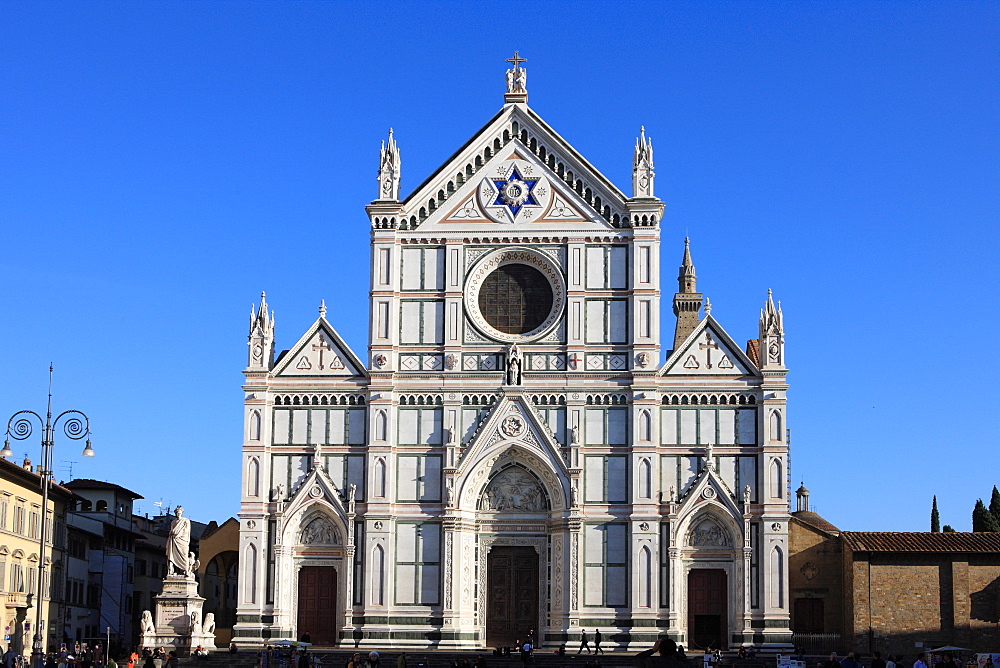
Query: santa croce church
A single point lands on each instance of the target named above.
(517, 450)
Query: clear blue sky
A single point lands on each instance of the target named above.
(162, 163)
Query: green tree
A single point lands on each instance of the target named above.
(982, 519)
(947, 529)
(935, 517)
(995, 505)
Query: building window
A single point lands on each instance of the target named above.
(607, 321)
(604, 479)
(606, 426)
(421, 426)
(606, 267)
(418, 563)
(423, 268)
(605, 578)
(422, 322)
(418, 479)
(515, 299)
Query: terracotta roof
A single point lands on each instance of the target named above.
(86, 483)
(9, 469)
(753, 351)
(814, 520)
(920, 541)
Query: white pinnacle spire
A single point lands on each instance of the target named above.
(388, 170)
(642, 166)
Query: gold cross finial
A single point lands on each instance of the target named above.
(516, 61)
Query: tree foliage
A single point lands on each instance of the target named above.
(935, 517)
(995, 505)
(982, 519)
(948, 529)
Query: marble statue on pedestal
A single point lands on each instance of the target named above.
(178, 542)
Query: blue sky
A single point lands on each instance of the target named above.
(161, 163)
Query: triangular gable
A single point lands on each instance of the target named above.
(512, 421)
(320, 352)
(317, 486)
(452, 194)
(708, 487)
(708, 351)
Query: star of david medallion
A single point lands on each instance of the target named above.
(514, 195)
(512, 426)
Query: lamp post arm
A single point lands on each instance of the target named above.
(21, 428)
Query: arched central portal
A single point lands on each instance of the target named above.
(707, 594)
(512, 594)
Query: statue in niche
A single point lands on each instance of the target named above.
(513, 365)
(450, 494)
(278, 493)
(514, 490)
(318, 532)
(352, 492)
(708, 533)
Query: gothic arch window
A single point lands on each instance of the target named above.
(776, 481)
(777, 581)
(253, 477)
(378, 576)
(645, 426)
(645, 578)
(645, 479)
(250, 592)
(381, 426)
(775, 426)
(255, 426)
(380, 477)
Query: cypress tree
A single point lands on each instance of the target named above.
(982, 519)
(947, 529)
(935, 517)
(995, 505)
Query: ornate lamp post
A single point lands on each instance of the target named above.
(76, 425)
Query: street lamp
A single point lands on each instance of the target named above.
(76, 425)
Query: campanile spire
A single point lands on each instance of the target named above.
(687, 300)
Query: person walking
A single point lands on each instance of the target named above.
(920, 663)
(597, 642)
(585, 643)
(9, 657)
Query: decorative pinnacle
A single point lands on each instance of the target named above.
(322, 308)
(708, 306)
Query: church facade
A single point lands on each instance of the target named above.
(516, 451)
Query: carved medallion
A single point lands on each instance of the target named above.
(512, 426)
(515, 194)
(709, 493)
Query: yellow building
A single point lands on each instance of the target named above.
(20, 531)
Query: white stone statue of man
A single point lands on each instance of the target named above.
(352, 492)
(209, 625)
(450, 493)
(178, 542)
(513, 365)
(147, 623)
(746, 494)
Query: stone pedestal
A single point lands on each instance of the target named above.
(179, 618)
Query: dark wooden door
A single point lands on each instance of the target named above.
(512, 594)
(807, 615)
(707, 595)
(318, 604)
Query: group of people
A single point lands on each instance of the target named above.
(898, 661)
(151, 658)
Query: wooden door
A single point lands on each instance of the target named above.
(318, 604)
(512, 594)
(807, 615)
(707, 596)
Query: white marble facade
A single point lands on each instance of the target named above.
(515, 394)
